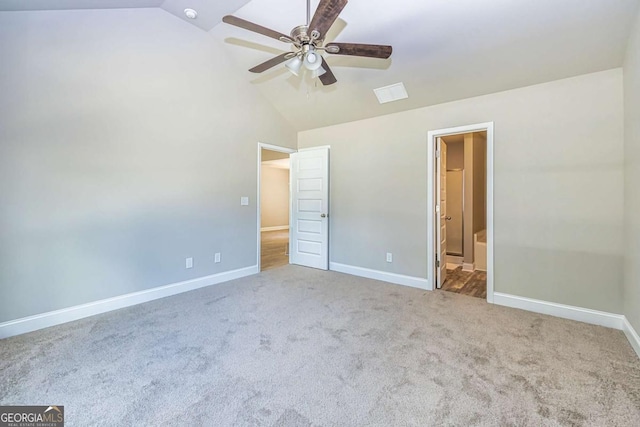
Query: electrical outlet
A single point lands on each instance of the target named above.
(216, 258)
(189, 263)
(389, 257)
(244, 201)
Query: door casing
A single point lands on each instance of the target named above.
(431, 213)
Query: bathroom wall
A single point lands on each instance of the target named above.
(455, 185)
(469, 173)
(455, 155)
(479, 181)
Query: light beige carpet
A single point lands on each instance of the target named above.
(299, 347)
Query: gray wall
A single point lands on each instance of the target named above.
(632, 178)
(558, 188)
(126, 142)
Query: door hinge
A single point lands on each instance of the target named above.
(437, 263)
(437, 154)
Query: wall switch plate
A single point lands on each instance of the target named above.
(244, 201)
(189, 263)
(216, 257)
(389, 257)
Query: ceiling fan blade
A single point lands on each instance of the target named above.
(327, 78)
(239, 22)
(326, 14)
(356, 49)
(272, 62)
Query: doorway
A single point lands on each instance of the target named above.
(273, 206)
(297, 232)
(460, 210)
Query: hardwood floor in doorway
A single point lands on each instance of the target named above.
(274, 249)
(466, 283)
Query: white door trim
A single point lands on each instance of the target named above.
(431, 144)
(271, 147)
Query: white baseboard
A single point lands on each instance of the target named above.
(468, 266)
(399, 279)
(454, 259)
(275, 228)
(632, 335)
(52, 318)
(580, 314)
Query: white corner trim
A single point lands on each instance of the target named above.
(468, 266)
(275, 228)
(57, 317)
(570, 312)
(399, 279)
(632, 335)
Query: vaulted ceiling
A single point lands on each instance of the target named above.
(443, 50)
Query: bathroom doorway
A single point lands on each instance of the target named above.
(462, 202)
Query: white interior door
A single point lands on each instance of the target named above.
(441, 210)
(309, 225)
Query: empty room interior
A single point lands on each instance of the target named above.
(324, 212)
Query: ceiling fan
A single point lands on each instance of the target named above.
(308, 42)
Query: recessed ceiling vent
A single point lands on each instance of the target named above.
(391, 93)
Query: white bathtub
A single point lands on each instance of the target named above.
(480, 250)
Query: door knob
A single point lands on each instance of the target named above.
(448, 218)
(323, 215)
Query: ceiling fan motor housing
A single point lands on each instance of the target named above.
(301, 36)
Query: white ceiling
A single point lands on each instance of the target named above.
(444, 50)
(75, 4)
(210, 12)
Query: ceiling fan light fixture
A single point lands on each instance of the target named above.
(317, 73)
(312, 60)
(294, 65)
